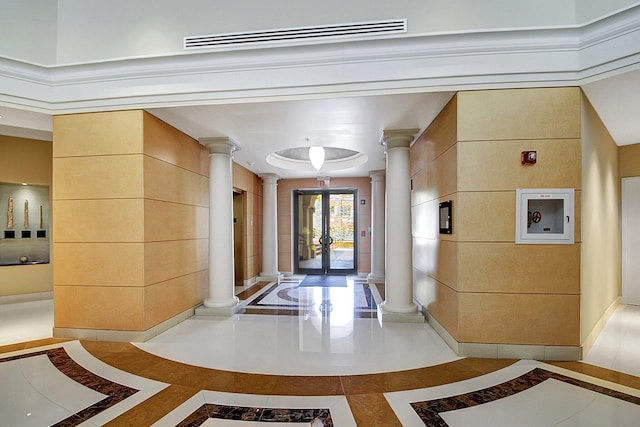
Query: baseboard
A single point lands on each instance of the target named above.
(505, 351)
(122, 336)
(36, 296)
(590, 339)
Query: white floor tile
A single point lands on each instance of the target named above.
(550, 403)
(299, 345)
(36, 393)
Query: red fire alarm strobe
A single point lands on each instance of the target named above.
(528, 157)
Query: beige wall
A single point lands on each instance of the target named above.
(251, 186)
(286, 186)
(601, 259)
(25, 160)
(629, 160)
(130, 221)
(477, 283)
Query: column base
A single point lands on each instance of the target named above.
(388, 316)
(374, 279)
(203, 310)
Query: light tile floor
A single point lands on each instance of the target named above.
(305, 368)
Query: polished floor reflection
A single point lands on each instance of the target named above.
(306, 364)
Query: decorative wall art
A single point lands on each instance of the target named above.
(22, 241)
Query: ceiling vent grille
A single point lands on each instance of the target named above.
(300, 34)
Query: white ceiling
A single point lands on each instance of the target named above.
(350, 122)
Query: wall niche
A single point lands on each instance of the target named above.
(24, 224)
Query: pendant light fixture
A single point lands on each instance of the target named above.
(316, 156)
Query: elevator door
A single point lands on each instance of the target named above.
(325, 224)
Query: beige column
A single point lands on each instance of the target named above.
(398, 305)
(377, 227)
(221, 300)
(269, 228)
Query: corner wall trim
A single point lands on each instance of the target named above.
(590, 339)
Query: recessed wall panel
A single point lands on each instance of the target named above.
(539, 113)
(95, 134)
(99, 263)
(510, 268)
(519, 318)
(98, 177)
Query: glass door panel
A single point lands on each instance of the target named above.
(325, 225)
(341, 232)
(309, 232)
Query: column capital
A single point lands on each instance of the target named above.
(397, 138)
(269, 177)
(377, 175)
(220, 145)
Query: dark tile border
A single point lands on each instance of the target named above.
(115, 392)
(288, 309)
(429, 411)
(242, 413)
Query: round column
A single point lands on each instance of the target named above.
(221, 265)
(398, 248)
(377, 227)
(269, 226)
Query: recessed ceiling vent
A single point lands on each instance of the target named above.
(300, 34)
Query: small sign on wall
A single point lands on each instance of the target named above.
(446, 217)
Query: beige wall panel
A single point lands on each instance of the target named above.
(168, 144)
(496, 165)
(601, 247)
(253, 266)
(118, 264)
(629, 160)
(172, 297)
(418, 156)
(364, 263)
(444, 308)
(442, 173)
(485, 216)
(25, 160)
(447, 262)
(26, 279)
(284, 262)
(519, 319)
(95, 134)
(284, 243)
(98, 177)
(423, 251)
(545, 113)
(164, 181)
(170, 259)
(420, 193)
(442, 133)
(173, 221)
(284, 224)
(424, 218)
(94, 307)
(511, 268)
(108, 220)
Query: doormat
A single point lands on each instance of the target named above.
(324, 281)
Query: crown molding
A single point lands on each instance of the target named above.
(534, 57)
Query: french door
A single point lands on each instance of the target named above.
(325, 224)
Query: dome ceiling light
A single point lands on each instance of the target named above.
(316, 156)
(328, 158)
